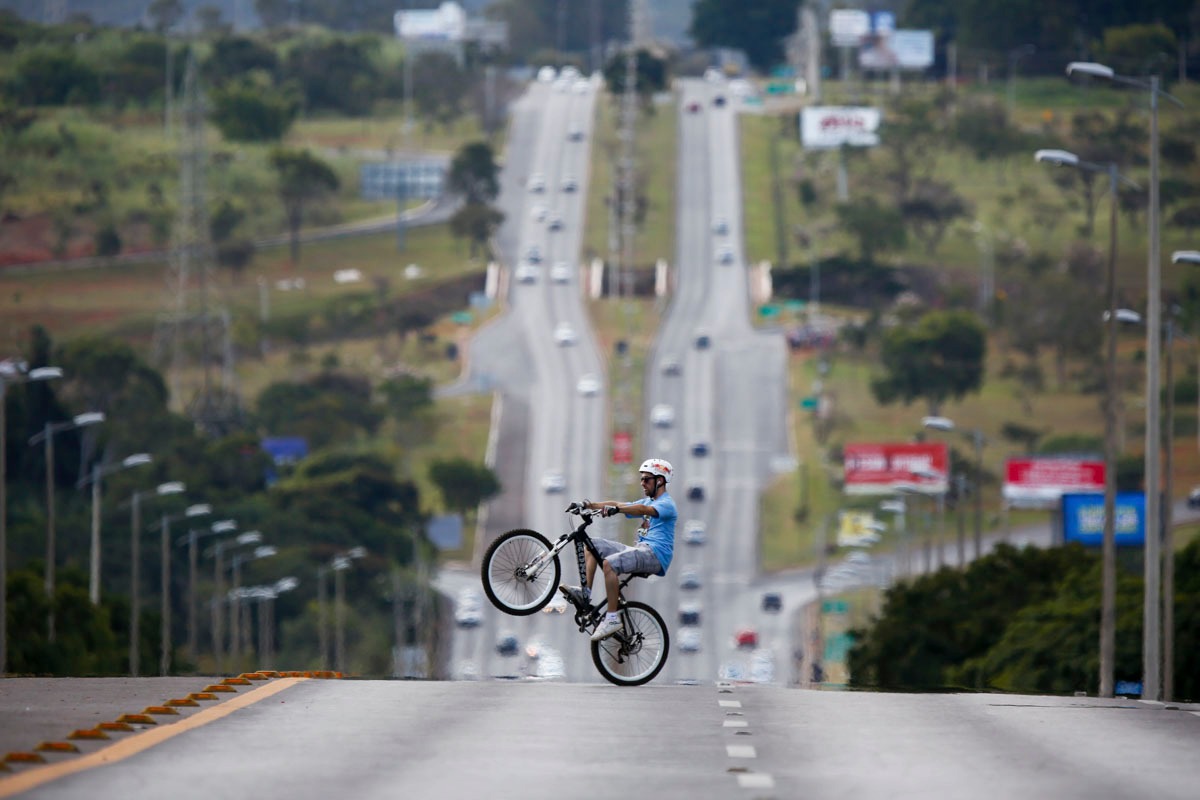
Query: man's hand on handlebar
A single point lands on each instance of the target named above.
(609, 511)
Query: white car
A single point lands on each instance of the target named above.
(561, 272)
(553, 481)
(576, 134)
(670, 366)
(690, 639)
(538, 213)
(555, 223)
(693, 532)
(547, 74)
(721, 226)
(662, 415)
(564, 334)
(569, 184)
(588, 385)
(537, 182)
(689, 579)
(527, 273)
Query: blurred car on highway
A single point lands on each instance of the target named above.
(689, 614)
(588, 385)
(772, 601)
(564, 334)
(699, 449)
(537, 182)
(560, 272)
(1193, 499)
(553, 481)
(689, 579)
(695, 490)
(662, 415)
(702, 340)
(693, 532)
(670, 366)
(506, 644)
(527, 273)
(746, 638)
(690, 640)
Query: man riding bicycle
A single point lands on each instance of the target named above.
(652, 552)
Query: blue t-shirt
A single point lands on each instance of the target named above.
(660, 534)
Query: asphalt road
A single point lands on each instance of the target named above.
(386, 739)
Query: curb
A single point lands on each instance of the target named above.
(50, 752)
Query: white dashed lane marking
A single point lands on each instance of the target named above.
(740, 751)
(729, 703)
(756, 780)
(735, 723)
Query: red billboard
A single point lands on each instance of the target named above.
(1041, 482)
(622, 448)
(890, 468)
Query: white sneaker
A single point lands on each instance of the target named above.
(606, 629)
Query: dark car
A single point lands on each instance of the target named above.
(702, 341)
(700, 449)
(689, 616)
(507, 645)
(695, 491)
(772, 601)
(693, 107)
(719, 100)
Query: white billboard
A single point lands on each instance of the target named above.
(446, 22)
(902, 49)
(848, 26)
(827, 127)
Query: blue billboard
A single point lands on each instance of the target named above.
(1083, 519)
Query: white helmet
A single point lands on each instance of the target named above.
(658, 466)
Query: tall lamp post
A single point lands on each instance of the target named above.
(236, 630)
(164, 653)
(1151, 619)
(46, 436)
(135, 556)
(98, 473)
(1108, 590)
(338, 565)
(11, 372)
(978, 440)
(249, 537)
(192, 540)
(1168, 568)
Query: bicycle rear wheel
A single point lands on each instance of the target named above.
(519, 574)
(638, 652)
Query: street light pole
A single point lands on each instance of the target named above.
(47, 438)
(135, 600)
(250, 537)
(1108, 589)
(193, 539)
(99, 471)
(13, 372)
(164, 656)
(1151, 611)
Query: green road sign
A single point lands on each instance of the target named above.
(462, 317)
(808, 403)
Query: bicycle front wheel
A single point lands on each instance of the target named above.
(519, 572)
(638, 652)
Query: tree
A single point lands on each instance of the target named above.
(875, 227)
(252, 111)
(164, 14)
(233, 57)
(463, 484)
(930, 209)
(439, 87)
(53, 77)
(303, 179)
(476, 223)
(939, 358)
(474, 174)
(650, 75)
(337, 75)
(757, 28)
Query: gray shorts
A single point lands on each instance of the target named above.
(625, 559)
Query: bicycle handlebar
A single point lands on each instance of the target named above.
(581, 508)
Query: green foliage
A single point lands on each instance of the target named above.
(329, 409)
(54, 77)
(757, 28)
(304, 179)
(85, 642)
(476, 223)
(930, 209)
(462, 483)
(650, 74)
(247, 111)
(439, 88)
(940, 358)
(474, 173)
(876, 228)
(1130, 49)
(235, 57)
(337, 74)
(934, 623)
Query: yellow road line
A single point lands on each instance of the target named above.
(119, 751)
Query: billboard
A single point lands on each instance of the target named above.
(444, 23)
(903, 49)
(622, 448)
(1083, 519)
(1041, 482)
(847, 26)
(830, 127)
(883, 469)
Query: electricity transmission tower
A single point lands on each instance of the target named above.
(193, 336)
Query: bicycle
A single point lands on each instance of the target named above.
(521, 572)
